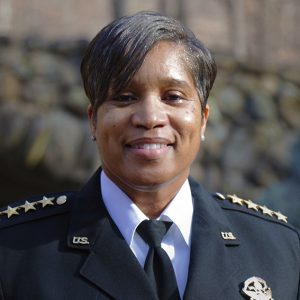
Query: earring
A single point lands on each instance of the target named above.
(202, 137)
(93, 138)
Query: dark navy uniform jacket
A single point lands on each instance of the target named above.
(67, 247)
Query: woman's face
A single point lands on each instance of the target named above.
(149, 134)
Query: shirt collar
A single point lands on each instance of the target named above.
(127, 216)
(180, 211)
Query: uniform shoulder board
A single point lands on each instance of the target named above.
(250, 205)
(35, 208)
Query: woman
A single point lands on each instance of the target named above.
(148, 79)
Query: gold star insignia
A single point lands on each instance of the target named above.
(251, 205)
(235, 199)
(11, 211)
(266, 211)
(29, 206)
(46, 201)
(280, 216)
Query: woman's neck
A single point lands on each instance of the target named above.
(151, 200)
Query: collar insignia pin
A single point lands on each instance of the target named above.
(82, 240)
(257, 289)
(228, 236)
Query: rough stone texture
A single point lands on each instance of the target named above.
(252, 139)
(263, 32)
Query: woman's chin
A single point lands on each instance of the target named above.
(149, 184)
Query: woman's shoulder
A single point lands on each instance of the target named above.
(249, 212)
(35, 208)
(234, 203)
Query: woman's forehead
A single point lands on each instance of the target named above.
(166, 63)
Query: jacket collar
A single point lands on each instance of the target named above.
(212, 262)
(111, 265)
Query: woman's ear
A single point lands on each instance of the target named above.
(91, 118)
(205, 115)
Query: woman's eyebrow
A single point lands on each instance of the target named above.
(168, 81)
(176, 82)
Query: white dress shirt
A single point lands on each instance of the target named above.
(127, 216)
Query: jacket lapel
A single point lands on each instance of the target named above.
(112, 267)
(109, 264)
(212, 267)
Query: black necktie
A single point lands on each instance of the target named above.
(158, 265)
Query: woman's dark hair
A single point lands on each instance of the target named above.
(117, 52)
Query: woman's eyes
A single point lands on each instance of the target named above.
(170, 97)
(125, 98)
(173, 97)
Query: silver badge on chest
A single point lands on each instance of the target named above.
(257, 289)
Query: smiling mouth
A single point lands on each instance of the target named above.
(149, 146)
(150, 149)
(146, 143)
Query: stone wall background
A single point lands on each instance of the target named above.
(264, 32)
(252, 145)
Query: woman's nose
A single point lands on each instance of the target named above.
(149, 113)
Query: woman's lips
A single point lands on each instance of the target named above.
(149, 149)
(148, 146)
